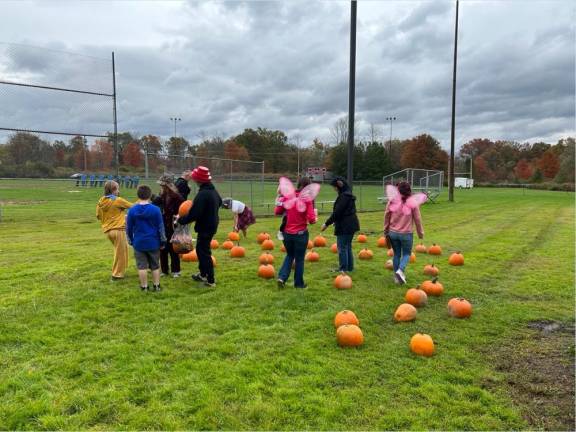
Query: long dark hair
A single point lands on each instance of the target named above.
(303, 182)
(405, 190)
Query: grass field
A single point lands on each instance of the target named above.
(78, 351)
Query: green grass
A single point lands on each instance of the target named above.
(78, 352)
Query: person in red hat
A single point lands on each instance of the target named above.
(204, 212)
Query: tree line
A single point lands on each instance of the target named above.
(28, 155)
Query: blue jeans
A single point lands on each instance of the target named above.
(402, 246)
(295, 245)
(345, 255)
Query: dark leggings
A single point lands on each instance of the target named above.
(204, 253)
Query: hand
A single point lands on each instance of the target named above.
(421, 237)
(323, 227)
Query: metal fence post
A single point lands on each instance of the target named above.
(251, 196)
(360, 188)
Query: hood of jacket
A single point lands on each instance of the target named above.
(106, 202)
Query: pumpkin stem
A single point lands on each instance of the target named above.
(435, 280)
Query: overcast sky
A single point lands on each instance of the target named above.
(226, 66)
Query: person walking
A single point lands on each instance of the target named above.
(345, 222)
(298, 206)
(111, 212)
(169, 202)
(204, 212)
(402, 212)
(146, 235)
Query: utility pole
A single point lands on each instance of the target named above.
(352, 92)
(452, 132)
(178, 119)
(390, 119)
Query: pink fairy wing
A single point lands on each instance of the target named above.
(393, 197)
(289, 203)
(414, 201)
(308, 194)
(287, 188)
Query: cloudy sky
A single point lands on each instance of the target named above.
(226, 66)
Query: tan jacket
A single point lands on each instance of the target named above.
(111, 212)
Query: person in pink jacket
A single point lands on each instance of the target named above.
(402, 212)
(298, 216)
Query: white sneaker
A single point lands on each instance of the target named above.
(401, 276)
(280, 236)
(175, 275)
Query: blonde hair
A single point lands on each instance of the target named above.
(109, 187)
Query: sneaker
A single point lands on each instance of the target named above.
(280, 235)
(210, 285)
(144, 288)
(199, 278)
(281, 283)
(115, 278)
(396, 281)
(336, 270)
(176, 275)
(301, 287)
(401, 276)
(157, 288)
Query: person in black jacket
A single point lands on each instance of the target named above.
(345, 223)
(204, 212)
(182, 184)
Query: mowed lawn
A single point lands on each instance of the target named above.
(78, 351)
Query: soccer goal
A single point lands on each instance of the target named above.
(427, 181)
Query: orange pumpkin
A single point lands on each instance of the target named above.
(421, 248)
(416, 297)
(459, 308)
(456, 259)
(227, 245)
(233, 236)
(312, 256)
(433, 287)
(184, 208)
(381, 242)
(349, 335)
(412, 257)
(362, 238)
(422, 344)
(267, 245)
(431, 270)
(319, 241)
(405, 312)
(266, 271)
(435, 249)
(310, 244)
(334, 248)
(262, 236)
(343, 281)
(283, 248)
(214, 244)
(389, 265)
(237, 252)
(266, 258)
(365, 254)
(190, 257)
(345, 317)
(390, 252)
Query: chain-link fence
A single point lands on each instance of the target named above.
(421, 180)
(55, 93)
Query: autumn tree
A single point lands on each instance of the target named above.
(549, 164)
(523, 169)
(132, 155)
(424, 152)
(567, 169)
(102, 154)
(233, 150)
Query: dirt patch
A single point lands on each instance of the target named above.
(539, 374)
(20, 202)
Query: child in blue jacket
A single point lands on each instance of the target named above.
(145, 232)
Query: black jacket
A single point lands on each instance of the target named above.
(204, 210)
(344, 214)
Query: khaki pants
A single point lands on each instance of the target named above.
(118, 239)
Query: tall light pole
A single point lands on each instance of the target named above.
(451, 170)
(351, 92)
(390, 119)
(177, 119)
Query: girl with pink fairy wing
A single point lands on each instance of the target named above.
(298, 206)
(402, 212)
